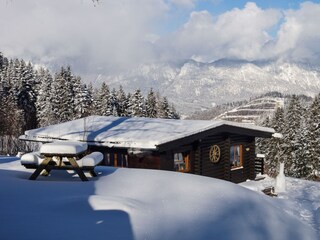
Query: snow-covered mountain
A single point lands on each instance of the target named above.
(194, 86)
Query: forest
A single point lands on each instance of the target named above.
(34, 97)
(299, 123)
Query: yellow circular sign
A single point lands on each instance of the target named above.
(214, 153)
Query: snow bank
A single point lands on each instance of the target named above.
(138, 204)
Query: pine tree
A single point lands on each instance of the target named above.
(45, 114)
(137, 104)
(313, 136)
(262, 144)
(3, 62)
(63, 96)
(122, 103)
(291, 133)
(151, 105)
(129, 106)
(27, 95)
(114, 103)
(277, 147)
(163, 108)
(83, 99)
(103, 102)
(302, 161)
(173, 113)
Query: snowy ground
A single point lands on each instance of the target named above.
(151, 204)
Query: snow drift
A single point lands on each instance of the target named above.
(137, 204)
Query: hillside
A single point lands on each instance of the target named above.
(253, 111)
(193, 86)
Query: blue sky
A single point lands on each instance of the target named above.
(216, 7)
(118, 34)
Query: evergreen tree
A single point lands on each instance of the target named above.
(291, 133)
(63, 96)
(103, 103)
(302, 162)
(262, 144)
(163, 109)
(122, 103)
(45, 114)
(114, 103)
(137, 104)
(83, 99)
(313, 136)
(26, 94)
(129, 106)
(277, 147)
(173, 113)
(151, 105)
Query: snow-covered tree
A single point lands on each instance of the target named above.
(45, 115)
(313, 135)
(151, 104)
(294, 117)
(83, 99)
(137, 105)
(63, 96)
(277, 147)
(122, 103)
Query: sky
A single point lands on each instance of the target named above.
(116, 35)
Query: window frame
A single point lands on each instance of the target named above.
(185, 159)
(240, 165)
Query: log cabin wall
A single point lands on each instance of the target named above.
(202, 162)
(152, 161)
(166, 161)
(248, 158)
(222, 170)
(199, 157)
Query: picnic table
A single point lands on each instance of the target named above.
(62, 156)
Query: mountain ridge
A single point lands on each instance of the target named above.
(193, 85)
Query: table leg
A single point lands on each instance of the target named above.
(77, 169)
(41, 167)
(93, 173)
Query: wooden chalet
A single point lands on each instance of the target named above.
(219, 149)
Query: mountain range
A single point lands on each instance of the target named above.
(192, 86)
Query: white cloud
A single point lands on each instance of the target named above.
(238, 33)
(184, 3)
(299, 35)
(113, 34)
(118, 34)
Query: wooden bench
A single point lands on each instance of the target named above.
(62, 156)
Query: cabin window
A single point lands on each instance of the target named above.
(236, 156)
(182, 162)
(117, 159)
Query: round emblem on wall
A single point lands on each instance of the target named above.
(214, 153)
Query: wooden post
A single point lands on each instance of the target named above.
(41, 167)
(77, 169)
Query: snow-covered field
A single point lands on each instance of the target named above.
(151, 204)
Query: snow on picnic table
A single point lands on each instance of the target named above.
(141, 204)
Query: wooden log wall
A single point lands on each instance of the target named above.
(217, 170)
(222, 170)
(248, 158)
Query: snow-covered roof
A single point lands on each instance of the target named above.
(141, 133)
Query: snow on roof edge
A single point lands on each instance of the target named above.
(219, 123)
(40, 134)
